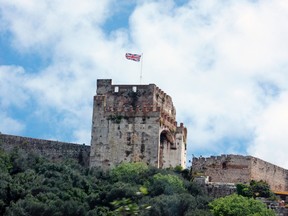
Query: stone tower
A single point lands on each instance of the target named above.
(133, 123)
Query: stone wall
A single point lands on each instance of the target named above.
(240, 169)
(213, 189)
(126, 140)
(224, 168)
(217, 190)
(133, 123)
(275, 176)
(52, 150)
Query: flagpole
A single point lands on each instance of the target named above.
(141, 68)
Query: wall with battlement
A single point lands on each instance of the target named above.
(136, 99)
(52, 150)
(274, 175)
(240, 169)
(224, 168)
(127, 123)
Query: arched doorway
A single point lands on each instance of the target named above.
(167, 141)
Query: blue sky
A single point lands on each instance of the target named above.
(224, 63)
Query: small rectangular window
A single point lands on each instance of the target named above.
(116, 89)
(134, 88)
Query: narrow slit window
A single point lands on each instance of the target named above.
(134, 88)
(116, 89)
(224, 165)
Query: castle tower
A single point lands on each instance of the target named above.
(133, 123)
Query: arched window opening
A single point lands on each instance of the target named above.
(167, 138)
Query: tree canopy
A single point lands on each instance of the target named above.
(237, 205)
(31, 185)
(255, 189)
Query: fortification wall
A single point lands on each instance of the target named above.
(219, 190)
(275, 176)
(240, 169)
(52, 150)
(224, 168)
(213, 189)
(130, 139)
(136, 100)
(127, 123)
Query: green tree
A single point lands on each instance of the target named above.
(255, 189)
(261, 189)
(129, 172)
(165, 184)
(177, 204)
(244, 190)
(236, 205)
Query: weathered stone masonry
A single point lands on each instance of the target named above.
(134, 123)
(52, 150)
(240, 169)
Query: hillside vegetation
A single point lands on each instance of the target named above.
(31, 185)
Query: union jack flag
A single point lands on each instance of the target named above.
(133, 57)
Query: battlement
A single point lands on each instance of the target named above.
(241, 169)
(219, 158)
(136, 100)
(105, 86)
(142, 119)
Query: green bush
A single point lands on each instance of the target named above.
(255, 189)
(165, 184)
(236, 205)
(128, 172)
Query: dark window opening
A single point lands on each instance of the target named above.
(224, 165)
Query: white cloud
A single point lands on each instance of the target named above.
(223, 63)
(9, 125)
(12, 90)
(39, 25)
(12, 94)
(83, 136)
(271, 134)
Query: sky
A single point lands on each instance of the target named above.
(223, 62)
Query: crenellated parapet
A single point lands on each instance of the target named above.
(146, 98)
(240, 169)
(142, 120)
(164, 101)
(136, 100)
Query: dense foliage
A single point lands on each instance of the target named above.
(30, 185)
(237, 205)
(255, 189)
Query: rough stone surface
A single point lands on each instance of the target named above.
(215, 189)
(133, 123)
(52, 150)
(240, 169)
(219, 190)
